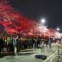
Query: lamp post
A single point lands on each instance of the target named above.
(58, 29)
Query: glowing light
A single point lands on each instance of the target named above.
(58, 29)
(43, 21)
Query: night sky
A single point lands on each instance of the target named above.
(37, 9)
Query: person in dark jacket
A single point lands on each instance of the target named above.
(1, 45)
(38, 43)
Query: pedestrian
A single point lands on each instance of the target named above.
(33, 43)
(50, 42)
(38, 43)
(15, 45)
(18, 44)
(7, 42)
(1, 45)
(46, 42)
(43, 40)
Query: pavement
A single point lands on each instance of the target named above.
(28, 55)
(57, 57)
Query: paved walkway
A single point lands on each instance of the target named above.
(30, 56)
(55, 57)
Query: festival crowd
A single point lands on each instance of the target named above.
(15, 44)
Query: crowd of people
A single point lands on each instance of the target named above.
(16, 43)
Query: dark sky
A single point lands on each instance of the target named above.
(51, 10)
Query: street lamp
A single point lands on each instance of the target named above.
(43, 21)
(58, 29)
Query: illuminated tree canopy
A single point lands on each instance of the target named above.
(12, 21)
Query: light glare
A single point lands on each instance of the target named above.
(42, 21)
(58, 29)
